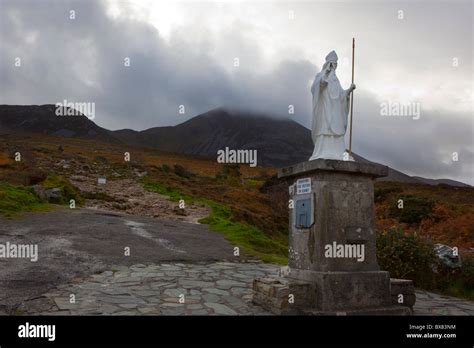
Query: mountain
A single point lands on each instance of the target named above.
(278, 142)
(441, 181)
(42, 119)
(395, 175)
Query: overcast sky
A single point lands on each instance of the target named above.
(184, 53)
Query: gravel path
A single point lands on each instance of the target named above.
(130, 197)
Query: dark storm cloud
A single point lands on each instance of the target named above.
(422, 147)
(83, 60)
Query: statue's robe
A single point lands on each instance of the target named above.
(330, 114)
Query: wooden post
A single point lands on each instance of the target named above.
(352, 99)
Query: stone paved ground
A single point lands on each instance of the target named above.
(428, 303)
(218, 288)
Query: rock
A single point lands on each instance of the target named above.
(241, 291)
(216, 291)
(40, 192)
(220, 308)
(194, 306)
(175, 293)
(79, 178)
(284, 271)
(448, 255)
(63, 303)
(186, 283)
(211, 298)
(54, 193)
(61, 163)
(227, 284)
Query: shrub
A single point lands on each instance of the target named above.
(381, 193)
(179, 170)
(229, 170)
(457, 282)
(406, 256)
(270, 182)
(101, 159)
(413, 211)
(36, 176)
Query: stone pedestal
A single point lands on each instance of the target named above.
(332, 240)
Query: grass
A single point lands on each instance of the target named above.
(16, 199)
(251, 240)
(254, 182)
(68, 191)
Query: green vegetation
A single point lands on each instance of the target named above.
(179, 170)
(406, 256)
(254, 182)
(381, 193)
(458, 282)
(414, 209)
(165, 168)
(68, 191)
(229, 170)
(15, 199)
(251, 240)
(412, 257)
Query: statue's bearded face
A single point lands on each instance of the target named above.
(333, 65)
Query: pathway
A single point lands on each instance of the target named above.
(219, 288)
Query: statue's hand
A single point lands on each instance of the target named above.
(352, 87)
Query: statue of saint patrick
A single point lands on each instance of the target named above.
(330, 112)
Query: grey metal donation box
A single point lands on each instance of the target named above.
(303, 213)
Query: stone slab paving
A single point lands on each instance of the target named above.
(218, 288)
(428, 303)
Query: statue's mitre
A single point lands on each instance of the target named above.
(331, 57)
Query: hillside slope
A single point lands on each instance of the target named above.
(278, 142)
(42, 119)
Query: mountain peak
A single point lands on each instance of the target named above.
(43, 119)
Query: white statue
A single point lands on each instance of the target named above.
(330, 112)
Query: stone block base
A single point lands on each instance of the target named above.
(402, 292)
(288, 296)
(341, 291)
(273, 294)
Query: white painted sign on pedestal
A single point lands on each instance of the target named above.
(303, 186)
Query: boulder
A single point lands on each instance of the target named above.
(40, 192)
(53, 194)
